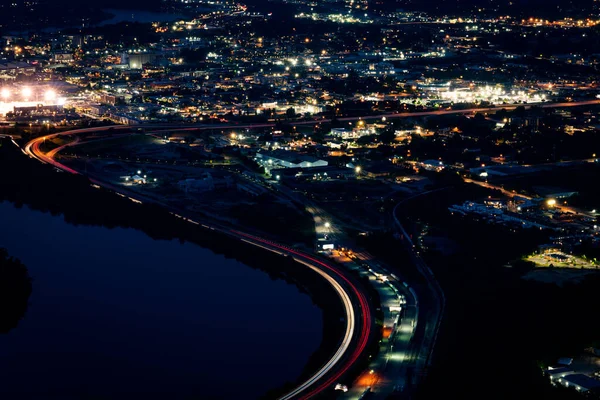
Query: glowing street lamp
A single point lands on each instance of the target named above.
(5, 93)
(357, 170)
(551, 202)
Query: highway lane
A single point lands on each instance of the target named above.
(391, 370)
(431, 319)
(358, 329)
(195, 127)
(366, 321)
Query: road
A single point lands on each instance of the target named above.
(431, 316)
(392, 369)
(561, 207)
(195, 127)
(357, 309)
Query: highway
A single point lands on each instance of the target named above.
(392, 369)
(511, 194)
(432, 317)
(357, 309)
(195, 127)
(419, 341)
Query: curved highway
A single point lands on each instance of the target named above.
(317, 121)
(356, 307)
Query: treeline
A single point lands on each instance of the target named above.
(15, 289)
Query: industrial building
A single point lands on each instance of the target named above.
(288, 159)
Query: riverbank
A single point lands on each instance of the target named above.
(42, 188)
(15, 289)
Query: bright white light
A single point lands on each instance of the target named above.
(50, 95)
(27, 92)
(5, 93)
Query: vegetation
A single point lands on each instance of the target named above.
(498, 329)
(15, 288)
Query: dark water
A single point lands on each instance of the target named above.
(117, 315)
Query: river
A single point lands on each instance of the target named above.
(115, 314)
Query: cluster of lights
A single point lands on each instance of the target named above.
(494, 95)
(26, 93)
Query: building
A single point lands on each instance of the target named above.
(355, 133)
(63, 57)
(137, 61)
(432, 165)
(288, 159)
(16, 68)
(582, 383)
(557, 373)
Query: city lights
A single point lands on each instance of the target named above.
(50, 95)
(490, 94)
(27, 92)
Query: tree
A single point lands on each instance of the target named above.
(387, 136)
(15, 288)
(290, 113)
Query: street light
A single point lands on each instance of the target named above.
(5, 93)
(357, 170)
(327, 225)
(551, 202)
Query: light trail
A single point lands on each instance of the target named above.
(363, 338)
(331, 274)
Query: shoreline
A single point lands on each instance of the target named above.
(123, 215)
